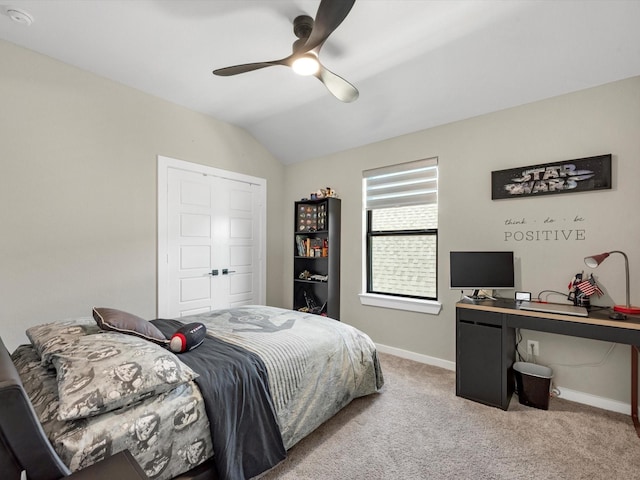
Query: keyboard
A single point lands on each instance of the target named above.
(559, 308)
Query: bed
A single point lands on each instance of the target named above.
(263, 379)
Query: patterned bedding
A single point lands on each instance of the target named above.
(168, 434)
(315, 366)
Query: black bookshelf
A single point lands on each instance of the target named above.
(316, 257)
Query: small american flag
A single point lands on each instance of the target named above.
(574, 281)
(589, 287)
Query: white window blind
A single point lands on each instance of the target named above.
(404, 184)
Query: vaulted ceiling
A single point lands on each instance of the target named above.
(416, 63)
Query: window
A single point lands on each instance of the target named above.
(401, 215)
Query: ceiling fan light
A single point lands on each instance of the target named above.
(306, 65)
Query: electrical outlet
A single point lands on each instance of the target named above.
(533, 347)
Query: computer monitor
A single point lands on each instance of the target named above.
(481, 271)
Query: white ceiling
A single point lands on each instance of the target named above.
(417, 63)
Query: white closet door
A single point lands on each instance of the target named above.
(214, 242)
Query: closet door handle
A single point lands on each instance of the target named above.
(213, 273)
(226, 271)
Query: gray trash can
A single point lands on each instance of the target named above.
(533, 383)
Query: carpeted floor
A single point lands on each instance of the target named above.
(416, 428)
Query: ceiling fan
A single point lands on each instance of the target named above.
(304, 60)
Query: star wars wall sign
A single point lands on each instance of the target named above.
(579, 175)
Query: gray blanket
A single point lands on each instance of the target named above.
(235, 386)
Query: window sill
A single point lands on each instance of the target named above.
(431, 307)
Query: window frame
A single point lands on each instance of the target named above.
(398, 301)
(370, 234)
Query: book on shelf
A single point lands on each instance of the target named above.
(311, 247)
(301, 245)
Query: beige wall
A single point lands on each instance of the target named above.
(78, 192)
(78, 189)
(592, 122)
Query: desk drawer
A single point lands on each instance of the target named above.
(466, 315)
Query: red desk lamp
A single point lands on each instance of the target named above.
(619, 311)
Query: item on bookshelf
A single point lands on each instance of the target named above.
(301, 245)
(305, 275)
(312, 218)
(311, 247)
(310, 300)
(312, 305)
(322, 217)
(307, 218)
(323, 193)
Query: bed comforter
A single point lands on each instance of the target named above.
(314, 367)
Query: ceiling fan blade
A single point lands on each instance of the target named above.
(330, 15)
(249, 67)
(338, 86)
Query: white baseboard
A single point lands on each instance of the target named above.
(594, 401)
(566, 393)
(417, 357)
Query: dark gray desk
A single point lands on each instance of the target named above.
(485, 346)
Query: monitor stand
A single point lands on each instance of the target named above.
(475, 296)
